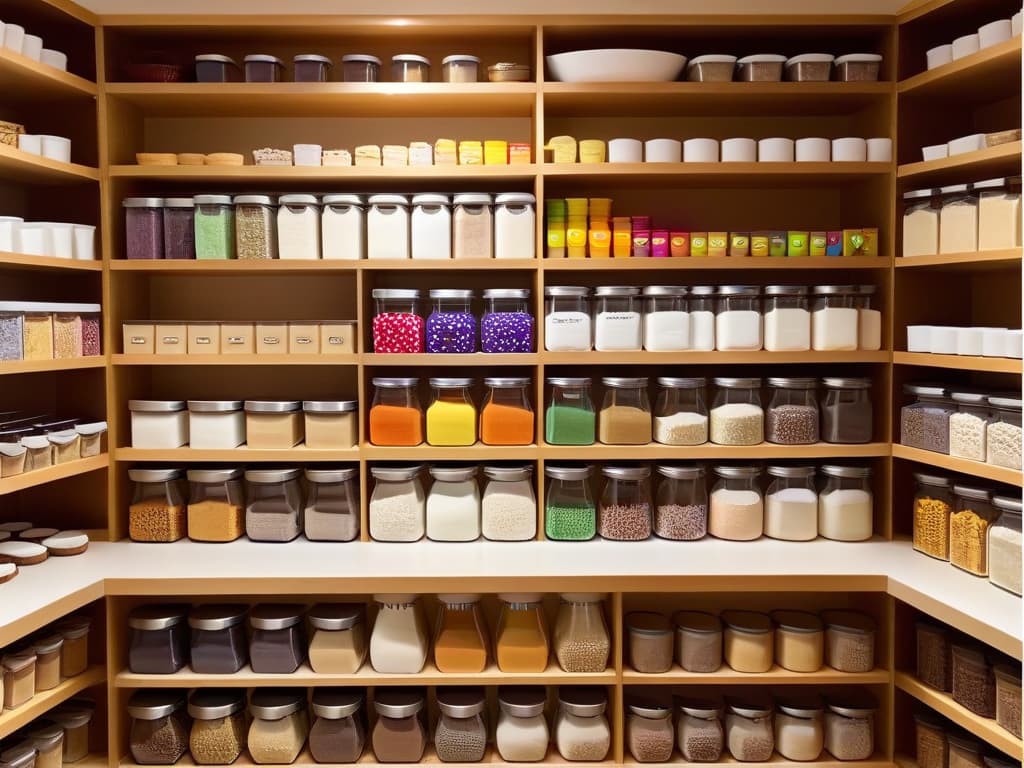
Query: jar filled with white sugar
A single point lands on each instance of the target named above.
(787, 318)
(736, 416)
(515, 226)
(398, 642)
(920, 223)
(567, 326)
(453, 506)
(666, 326)
(342, 225)
(998, 213)
(1003, 437)
(958, 220)
(617, 318)
(522, 733)
(681, 413)
(509, 506)
(387, 227)
(582, 732)
(834, 318)
(799, 727)
(702, 318)
(845, 508)
(397, 504)
(738, 318)
(431, 227)
(968, 426)
(736, 505)
(791, 504)
(1004, 545)
(298, 227)
(869, 319)
(275, 504)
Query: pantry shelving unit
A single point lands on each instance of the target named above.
(13, 719)
(882, 576)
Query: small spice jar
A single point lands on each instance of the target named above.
(1004, 545)
(681, 505)
(400, 733)
(737, 507)
(48, 741)
(461, 733)
(582, 732)
(74, 717)
(521, 639)
(521, 735)
(649, 638)
(360, 68)
(787, 318)
(698, 641)
(968, 528)
(160, 726)
(924, 423)
(157, 512)
(277, 645)
(338, 642)
(791, 504)
(931, 746)
(581, 638)
(460, 68)
(934, 655)
(48, 654)
(215, 227)
(460, 641)
(144, 227)
(846, 411)
(849, 641)
(736, 414)
(216, 505)
(273, 424)
(570, 513)
(159, 639)
(792, 416)
(845, 506)
(506, 325)
(506, 417)
(330, 424)
(748, 641)
(799, 643)
(274, 509)
(738, 325)
(570, 417)
(624, 513)
(19, 683)
(218, 645)
(974, 682)
(311, 68)
(850, 725)
(398, 508)
(332, 507)
(255, 226)
(218, 725)
(625, 417)
(799, 727)
(567, 323)
(508, 506)
(279, 725)
(410, 68)
(748, 730)
(933, 505)
(398, 643)
(650, 737)
(339, 733)
(1008, 697)
(681, 414)
(74, 654)
(396, 418)
(699, 732)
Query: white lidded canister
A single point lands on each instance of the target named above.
(515, 226)
(474, 226)
(431, 227)
(387, 227)
(343, 225)
(298, 227)
(216, 424)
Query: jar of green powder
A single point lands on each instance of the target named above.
(570, 513)
(215, 227)
(570, 418)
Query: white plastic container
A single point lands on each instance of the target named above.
(307, 154)
(61, 239)
(813, 149)
(14, 37)
(56, 148)
(625, 151)
(968, 341)
(993, 342)
(342, 224)
(84, 242)
(515, 226)
(919, 338)
(879, 150)
(776, 150)
(939, 56)
(1016, 23)
(739, 150)
(935, 152)
(472, 226)
(298, 227)
(849, 149)
(663, 151)
(700, 151)
(431, 227)
(33, 239)
(32, 47)
(55, 59)
(387, 227)
(31, 143)
(158, 424)
(965, 144)
(9, 226)
(216, 424)
(942, 340)
(1014, 344)
(965, 46)
(994, 33)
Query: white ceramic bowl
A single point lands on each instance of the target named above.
(700, 151)
(775, 150)
(31, 143)
(935, 152)
(32, 47)
(942, 340)
(849, 149)
(965, 144)
(739, 150)
(625, 151)
(918, 338)
(616, 65)
(56, 148)
(942, 54)
(965, 46)
(993, 342)
(85, 242)
(994, 33)
(879, 150)
(813, 149)
(55, 59)
(663, 151)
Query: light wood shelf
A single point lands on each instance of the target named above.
(24, 261)
(13, 719)
(122, 359)
(747, 174)
(970, 166)
(775, 676)
(711, 358)
(364, 174)
(42, 366)
(277, 266)
(470, 454)
(959, 362)
(943, 703)
(296, 455)
(824, 761)
(972, 261)
(712, 452)
(475, 359)
(687, 264)
(978, 77)
(963, 466)
(16, 165)
(51, 474)
(24, 79)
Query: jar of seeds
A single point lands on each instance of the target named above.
(681, 509)
(850, 725)
(748, 731)
(649, 735)
(699, 733)
(581, 639)
(792, 417)
(160, 728)
(218, 725)
(255, 227)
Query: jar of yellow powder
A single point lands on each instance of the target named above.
(451, 416)
(799, 641)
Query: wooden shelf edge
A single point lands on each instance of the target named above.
(48, 262)
(44, 167)
(13, 719)
(713, 169)
(325, 173)
(922, 80)
(963, 466)
(475, 90)
(698, 263)
(775, 676)
(966, 160)
(960, 362)
(44, 366)
(36, 72)
(297, 454)
(127, 360)
(1009, 256)
(51, 474)
(735, 88)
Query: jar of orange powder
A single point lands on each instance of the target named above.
(396, 417)
(507, 417)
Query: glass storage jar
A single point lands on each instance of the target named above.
(214, 68)
(1008, 698)
(460, 636)
(508, 506)
(748, 731)
(736, 415)
(410, 68)
(968, 528)
(617, 318)
(737, 507)
(400, 733)
(1004, 545)
(339, 733)
(255, 226)
(311, 68)
(159, 639)
(850, 725)
(398, 642)
(74, 717)
(218, 645)
(650, 737)
(846, 413)
(569, 418)
(924, 423)
(506, 326)
(666, 324)
(338, 642)
(216, 504)
(799, 641)
(869, 320)
(968, 425)
(48, 741)
(451, 326)
(974, 682)
(515, 222)
(625, 417)
(570, 513)
(387, 232)
(702, 318)
(681, 413)
(791, 504)
(521, 639)
(624, 513)
(931, 747)
(451, 417)
(298, 227)
(799, 727)
(460, 68)
(522, 734)
(920, 223)
(396, 417)
(792, 415)
(933, 505)
(397, 324)
(263, 68)
(567, 326)
(834, 318)
(332, 507)
(343, 227)
(581, 638)
(19, 677)
(582, 732)
(958, 220)
(218, 725)
(649, 639)
(472, 226)
(748, 641)
(74, 654)
(398, 509)
(699, 733)
(157, 512)
(964, 752)
(144, 227)
(277, 645)
(787, 318)
(275, 504)
(360, 68)
(1003, 437)
(738, 318)
(160, 726)
(453, 504)
(430, 227)
(681, 506)
(47, 649)
(461, 733)
(506, 417)
(215, 227)
(845, 506)
(280, 725)
(849, 641)
(998, 213)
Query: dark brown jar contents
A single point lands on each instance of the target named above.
(931, 741)
(160, 726)
(934, 663)
(399, 735)
(974, 682)
(277, 645)
(339, 733)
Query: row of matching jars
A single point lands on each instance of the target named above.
(664, 318)
(506, 323)
(795, 416)
(736, 510)
(796, 727)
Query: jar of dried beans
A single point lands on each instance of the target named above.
(218, 725)
(792, 417)
(681, 509)
(581, 639)
(649, 733)
(849, 641)
(461, 733)
(624, 513)
(160, 726)
(924, 423)
(255, 227)
(699, 733)
(157, 512)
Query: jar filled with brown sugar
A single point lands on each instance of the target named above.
(461, 734)
(338, 644)
(699, 733)
(48, 741)
(930, 739)
(748, 641)
(748, 731)
(278, 644)
(160, 726)
(965, 752)
(650, 737)
(649, 638)
(74, 654)
(339, 733)
(218, 725)
(74, 717)
(974, 682)
(461, 638)
(698, 641)
(849, 641)
(216, 505)
(1008, 697)
(280, 725)
(19, 670)
(400, 733)
(581, 638)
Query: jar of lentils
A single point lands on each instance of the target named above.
(681, 507)
(218, 725)
(581, 639)
(792, 417)
(699, 733)
(649, 733)
(625, 510)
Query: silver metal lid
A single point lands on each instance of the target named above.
(179, 202)
(506, 293)
(452, 293)
(396, 473)
(155, 704)
(989, 184)
(840, 382)
(641, 472)
(616, 290)
(156, 406)
(395, 293)
(215, 406)
(702, 290)
(679, 472)
(276, 703)
(330, 406)
(568, 473)
(46, 736)
(855, 703)
(738, 290)
(1008, 403)
(271, 475)
(749, 708)
(430, 198)
(524, 472)
(833, 290)
(751, 622)
(792, 472)
(342, 199)
(834, 470)
(791, 382)
(919, 194)
(461, 701)
(937, 480)
(569, 381)
(276, 616)
(969, 398)
(507, 382)
(156, 617)
(866, 290)
(451, 383)
(798, 621)
(453, 474)
(804, 707)
(214, 475)
(217, 617)
(649, 709)
(212, 199)
(215, 703)
(388, 200)
(253, 200)
(929, 390)
(148, 475)
(336, 703)
(665, 290)
(786, 290)
(472, 198)
(522, 700)
(733, 382)
(272, 406)
(972, 492)
(410, 57)
(263, 58)
(514, 198)
(216, 57)
(393, 383)
(1007, 503)
(143, 202)
(566, 290)
(622, 382)
(702, 709)
(582, 700)
(336, 616)
(335, 475)
(737, 472)
(456, 58)
(312, 57)
(47, 644)
(398, 702)
(360, 57)
(675, 382)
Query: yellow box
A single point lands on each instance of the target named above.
(444, 152)
(718, 243)
(171, 339)
(495, 153)
(563, 149)
(592, 151)
(204, 338)
(471, 153)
